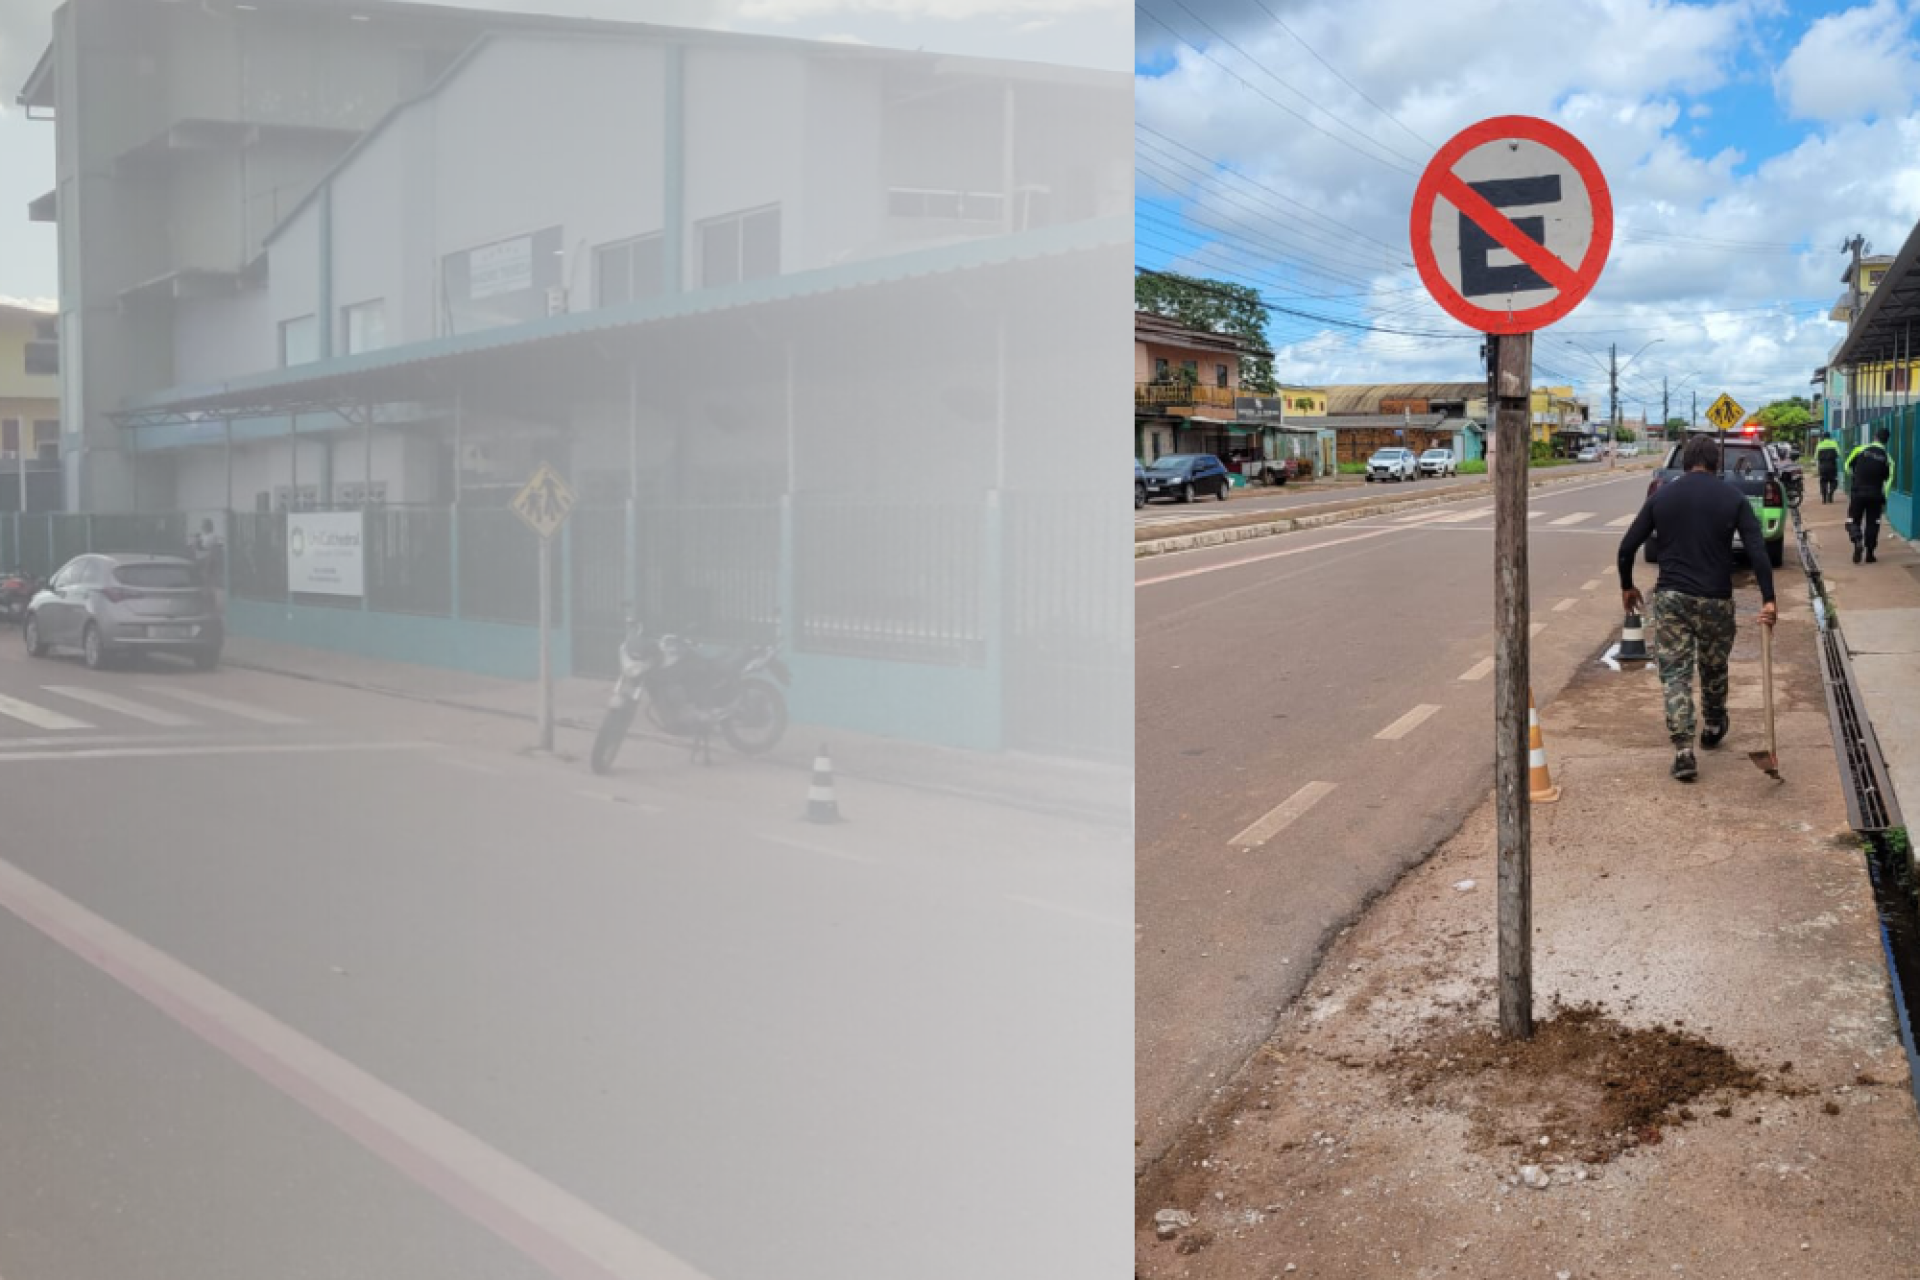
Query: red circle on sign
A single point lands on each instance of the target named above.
(1584, 275)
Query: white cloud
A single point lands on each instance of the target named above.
(1859, 62)
(1699, 259)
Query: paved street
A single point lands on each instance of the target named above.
(307, 982)
(1289, 497)
(1315, 714)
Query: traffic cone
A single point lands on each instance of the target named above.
(821, 804)
(1633, 640)
(1539, 780)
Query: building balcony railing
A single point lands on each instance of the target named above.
(1165, 395)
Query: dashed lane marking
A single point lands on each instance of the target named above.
(1621, 522)
(1590, 585)
(1536, 628)
(1282, 815)
(1407, 723)
(561, 1234)
(1479, 670)
(124, 706)
(245, 711)
(1578, 517)
(39, 717)
(1566, 604)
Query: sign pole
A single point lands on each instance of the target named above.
(546, 644)
(1511, 359)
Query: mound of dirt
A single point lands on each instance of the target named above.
(1590, 1085)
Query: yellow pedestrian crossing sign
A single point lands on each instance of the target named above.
(545, 503)
(1724, 413)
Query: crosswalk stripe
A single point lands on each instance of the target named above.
(39, 717)
(259, 715)
(124, 706)
(1460, 517)
(1620, 522)
(1576, 518)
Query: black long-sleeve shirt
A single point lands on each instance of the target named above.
(1696, 517)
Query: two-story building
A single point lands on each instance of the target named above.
(29, 409)
(799, 322)
(1188, 398)
(1856, 391)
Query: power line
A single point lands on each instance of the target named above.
(1411, 173)
(1343, 80)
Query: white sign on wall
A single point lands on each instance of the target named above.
(325, 553)
(495, 269)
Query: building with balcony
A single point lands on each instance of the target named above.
(1187, 398)
(29, 409)
(747, 294)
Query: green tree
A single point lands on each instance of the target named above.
(1676, 428)
(1216, 306)
(1786, 419)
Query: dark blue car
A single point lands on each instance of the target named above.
(1186, 476)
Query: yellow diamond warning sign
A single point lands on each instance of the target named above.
(1724, 413)
(545, 503)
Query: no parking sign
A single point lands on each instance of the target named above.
(1512, 222)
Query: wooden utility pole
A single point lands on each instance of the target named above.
(1510, 366)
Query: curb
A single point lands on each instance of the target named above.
(1051, 805)
(1268, 529)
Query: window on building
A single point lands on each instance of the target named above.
(43, 358)
(46, 439)
(1219, 375)
(299, 341)
(10, 437)
(1192, 370)
(1897, 380)
(740, 246)
(1160, 368)
(630, 270)
(934, 202)
(366, 326)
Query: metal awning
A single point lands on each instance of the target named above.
(1886, 324)
(347, 385)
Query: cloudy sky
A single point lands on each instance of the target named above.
(1278, 144)
(1090, 33)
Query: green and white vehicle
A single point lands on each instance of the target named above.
(1747, 465)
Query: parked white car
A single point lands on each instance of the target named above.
(1393, 464)
(1438, 462)
(1629, 450)
(1588, 454)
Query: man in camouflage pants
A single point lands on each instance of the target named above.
(1695, 519)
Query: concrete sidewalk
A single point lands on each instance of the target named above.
(1716, 1088)
(1878, 607)
(1096, 791)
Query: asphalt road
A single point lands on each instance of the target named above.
(310, 983)
(1289, 496)
(1324, 698)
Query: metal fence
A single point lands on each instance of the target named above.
(499, 567)
(409, 560)
(891, 581)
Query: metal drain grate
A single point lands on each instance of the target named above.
(1871, 805)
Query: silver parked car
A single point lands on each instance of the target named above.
(1438, 462)
(1393, 464)
(106, 605)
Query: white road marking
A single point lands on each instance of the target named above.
(1479, 670)
(12, 745)
(228, 749)
(38, 717)
(1461, 517)
(1407, 723)
(821, 849)
(1271, 555)
(1536, 628)
(245, 711)
(1534, 513)
(1578, 517)
(1566, 604)
(124, 706)
(562, 1234)
(1588, 586)
(1621, 522)
(1282, 814)
(1417, 517)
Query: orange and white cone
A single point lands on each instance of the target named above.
(822, 804)
(1539, 780)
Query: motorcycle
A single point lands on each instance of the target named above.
(690, 692)
(17, 590)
